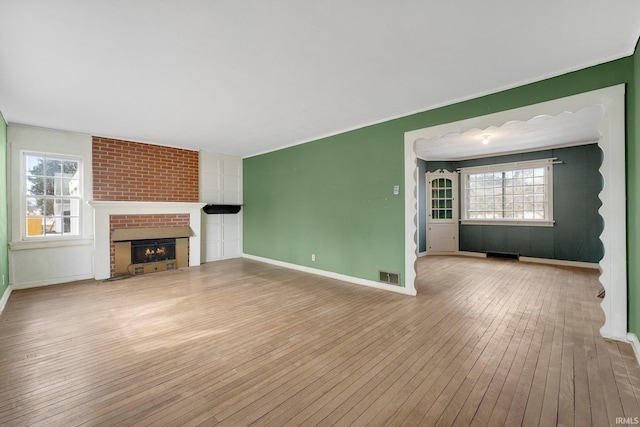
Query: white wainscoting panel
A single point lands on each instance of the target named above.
(221, 183)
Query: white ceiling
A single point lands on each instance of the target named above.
(245, 76)
(539, 133)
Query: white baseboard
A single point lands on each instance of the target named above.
(580, 264)
(593, 265)
(421, 254)
(5, 298)
(332, 275)
(635, 343)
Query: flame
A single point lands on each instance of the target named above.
(160, 251)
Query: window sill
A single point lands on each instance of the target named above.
(48, 244)
(516, 223)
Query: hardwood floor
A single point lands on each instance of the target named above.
(238, 342)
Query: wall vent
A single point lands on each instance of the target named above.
(504, 255)
(389, 278)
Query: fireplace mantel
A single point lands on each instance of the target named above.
(104, 209)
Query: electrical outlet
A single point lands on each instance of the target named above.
(313, 257)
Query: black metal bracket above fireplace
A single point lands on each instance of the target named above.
(221, 209)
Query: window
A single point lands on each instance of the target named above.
(442, 199)
(510, 194)
(52, 195)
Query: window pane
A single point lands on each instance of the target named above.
(70, 168)
(74, 225)
(34, 206)
(35, 165)
(49, 186)
(35, 185)
(53, 167)
(34, 225)
(52, 225)
(48, 207)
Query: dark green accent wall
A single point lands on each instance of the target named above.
(333, 196)
(422, 202)
(4, 227)
(575, 235)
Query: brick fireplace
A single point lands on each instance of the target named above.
(148, 187)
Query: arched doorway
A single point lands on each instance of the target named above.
(613, 210)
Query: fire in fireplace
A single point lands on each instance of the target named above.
(152, 250)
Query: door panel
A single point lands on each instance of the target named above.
(442, 211)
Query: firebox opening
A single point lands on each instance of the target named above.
(152, 250)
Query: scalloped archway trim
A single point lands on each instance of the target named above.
(613, 211)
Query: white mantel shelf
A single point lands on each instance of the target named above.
(104, 209)
(182, 207)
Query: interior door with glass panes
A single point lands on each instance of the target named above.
(442, 212)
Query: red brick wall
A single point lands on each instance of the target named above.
(133, 171)
(143, 221)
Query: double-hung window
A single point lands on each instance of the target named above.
(52, 195)
(518, 193)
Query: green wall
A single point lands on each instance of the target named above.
(4, 227)
(575, 235)
(334, 196)
(633, 199)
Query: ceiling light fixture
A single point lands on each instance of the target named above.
(485, 139)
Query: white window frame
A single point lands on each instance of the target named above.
(24, 196)
(547, 164)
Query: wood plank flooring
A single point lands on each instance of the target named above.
(485, 343)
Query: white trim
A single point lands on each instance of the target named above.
(635, 344)
(566, 263)
(411, 172)
(56, 281)
(613, 211)
(421, 254)
(5, 298)
(46, 244)
(104, 209)
(508, 222)
(498, 167)
(332, 275)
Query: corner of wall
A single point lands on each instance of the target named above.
(4, 232)
(633, 200)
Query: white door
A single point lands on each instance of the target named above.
(442, 212)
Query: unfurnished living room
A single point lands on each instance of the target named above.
(319, 213)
